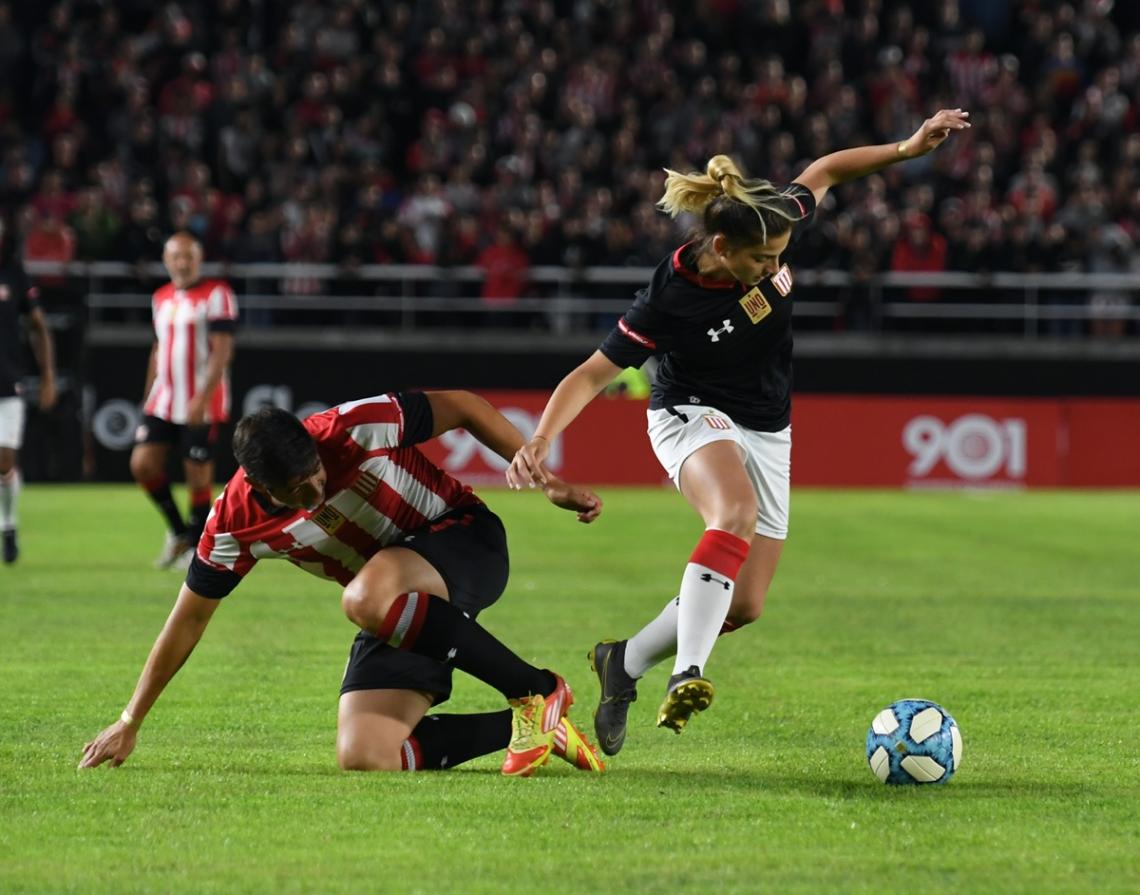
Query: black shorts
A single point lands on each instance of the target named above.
(196, 442)
(468, 547)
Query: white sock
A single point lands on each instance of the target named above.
(656, 641)
(9, 495)
(701, 611)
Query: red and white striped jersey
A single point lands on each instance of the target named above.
(183, 321)
(379, 487)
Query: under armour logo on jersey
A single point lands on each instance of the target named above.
(715, 334)
(708, 577)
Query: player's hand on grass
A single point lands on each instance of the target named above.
(526, 468)
(113, 744)
(935, 130)
(583, 501)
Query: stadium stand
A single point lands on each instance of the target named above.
(511, 134)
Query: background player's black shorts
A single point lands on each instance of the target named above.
(468, 547)
(197, 443)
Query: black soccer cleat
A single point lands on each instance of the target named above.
(618, 691)
(11, 547)
(688, 693)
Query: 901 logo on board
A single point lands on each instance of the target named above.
(974, 447)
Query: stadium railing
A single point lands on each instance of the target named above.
(411, 297)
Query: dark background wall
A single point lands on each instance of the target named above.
(305, 380)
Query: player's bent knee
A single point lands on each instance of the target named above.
(366, 600)
(143, 469)
(737, 518)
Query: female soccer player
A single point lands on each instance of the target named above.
(718, 314)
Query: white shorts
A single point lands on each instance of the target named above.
(11, 423)
(767, 456)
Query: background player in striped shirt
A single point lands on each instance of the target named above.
(347, 496)
(187, 391)
(718, 313)
(17, 299)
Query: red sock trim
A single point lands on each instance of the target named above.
(411, 759)
(156, 484)
(722, 552)
(200, 497)
(405, 619)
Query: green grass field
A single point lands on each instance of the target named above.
(1017, 611)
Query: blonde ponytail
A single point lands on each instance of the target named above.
(696, 192)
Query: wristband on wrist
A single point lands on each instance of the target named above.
(127, 718)
(901, 149)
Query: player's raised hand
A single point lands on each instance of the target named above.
(113, 744)
(583, 501)
(935, 130)
(526, 468)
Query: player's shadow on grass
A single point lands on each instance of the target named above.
(708, 782)
(736, 780)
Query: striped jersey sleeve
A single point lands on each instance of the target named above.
(221, 309)
(222, 560)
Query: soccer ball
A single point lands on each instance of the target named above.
(914, 741)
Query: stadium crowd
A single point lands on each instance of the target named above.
(507, 134)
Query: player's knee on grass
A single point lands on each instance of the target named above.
(354, 755)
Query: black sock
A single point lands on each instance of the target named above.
(443, 741)
(200, 500)
(159, 491)
(431, 626)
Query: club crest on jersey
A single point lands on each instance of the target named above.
(755, 305)
(715, 334)
(716, 422)
(329, 518)
(365, 484)
(783, 280)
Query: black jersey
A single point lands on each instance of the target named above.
(721, 344)
(17, 298)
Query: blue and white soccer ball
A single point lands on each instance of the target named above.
(914, 741)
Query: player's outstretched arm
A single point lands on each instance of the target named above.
(851, 164)
(579, 500)
(465, 410)
(179, 636)
(579, 387)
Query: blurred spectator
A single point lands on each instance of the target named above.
(48, 238)
(506, 268)
(919, 250)
(96, 226)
